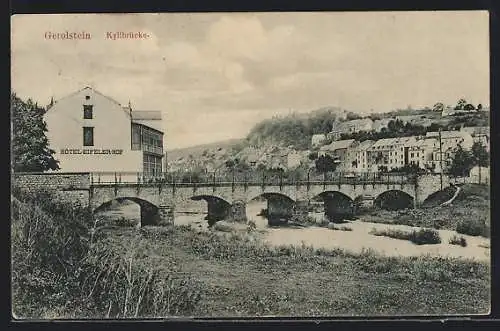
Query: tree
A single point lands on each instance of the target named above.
(313, 155)
(469, 107)
(461, 104)
(480, 155)
(438, 106)
(30, 146)
(479, 107)
(462, 163)
(325, 163)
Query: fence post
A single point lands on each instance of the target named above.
(232, 182)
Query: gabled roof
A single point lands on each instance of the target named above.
(363, 146)
(390, 143)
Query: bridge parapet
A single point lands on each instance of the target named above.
(52, 180)
(250, 178)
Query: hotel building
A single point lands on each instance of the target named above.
(92, 132)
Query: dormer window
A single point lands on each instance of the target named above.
(87, 112)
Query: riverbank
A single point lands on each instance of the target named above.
(125, 272)
(471, 206)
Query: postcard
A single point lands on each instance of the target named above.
(236, 165)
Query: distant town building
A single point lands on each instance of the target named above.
(421, 152)
(341, 151)
(390, 153)
(448, 111)
(92, 132)
(450, 140)
(362, 163)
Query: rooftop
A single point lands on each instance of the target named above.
(390, 143)
(363, 146)
(448, 134)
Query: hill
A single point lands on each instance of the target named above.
(198, 150)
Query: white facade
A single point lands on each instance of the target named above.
(391, 153)
(421, 152)
(362, 163)
(91, 132)
(450, 140)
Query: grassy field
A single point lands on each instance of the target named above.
(242, 278)
(66, 266)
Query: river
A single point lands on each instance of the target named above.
(320, 237)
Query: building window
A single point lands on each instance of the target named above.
(87, 112)
(152, 165)
(88, 136)
(87, 97)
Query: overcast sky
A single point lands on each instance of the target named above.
(215, 75)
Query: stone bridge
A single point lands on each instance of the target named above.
(228, 199)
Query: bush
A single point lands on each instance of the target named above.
(458, 240)
(396, 234)
(419, 237)
(473, 228)
(425, 236)
(65, 266)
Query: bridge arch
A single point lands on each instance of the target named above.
(280, 207)
(394, 200)
(218, 208)
(149, 212)
(337, 205)
(439, 196)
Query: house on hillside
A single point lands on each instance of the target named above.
(448, 111)
(342, 151)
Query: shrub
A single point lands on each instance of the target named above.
(473, 228)
(419, 237)
(391, 233)
(425, 236)
(64, 265)
(458, 240)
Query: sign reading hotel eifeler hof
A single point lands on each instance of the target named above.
(346, 153)
(91, 151)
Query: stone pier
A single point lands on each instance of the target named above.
(166, 214)
(238, 212)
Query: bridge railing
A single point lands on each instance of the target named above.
(269, 178)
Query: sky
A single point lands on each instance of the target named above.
(215, 75)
